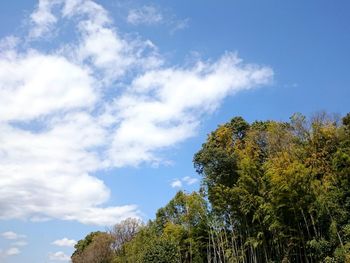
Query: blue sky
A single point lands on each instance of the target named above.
(104, 103)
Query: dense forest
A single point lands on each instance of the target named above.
(271, 192)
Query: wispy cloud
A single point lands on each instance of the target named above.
(64, 242)
(148, 15)
(96, 102)
(178, 24)
(12, 235)
(42, 18)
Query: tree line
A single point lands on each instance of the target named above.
(271, 191)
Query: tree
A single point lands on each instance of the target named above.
(279, 191)
(162, 251)
(124, 232)
(184, 221)
(95, 248)
(271, 192)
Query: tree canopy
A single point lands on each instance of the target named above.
(271, 192)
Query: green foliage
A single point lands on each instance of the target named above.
(162, 251)
(134, 250)
(280, 191)
(271, 192)
(81, 245)
(95, 248)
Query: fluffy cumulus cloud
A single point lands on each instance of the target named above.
(59, 256)
(176, 183)
(12, 251)
(187, 180)
(168, 102)
(96, 102)
(64, 242)
(31, 87)
(17, 240)
(9, 252)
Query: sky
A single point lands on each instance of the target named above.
(104, 103)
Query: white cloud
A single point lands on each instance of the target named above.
(99, 44)
(12, 235)
(167, 104)
(190, 180)
(64, 242)
(18, 241)
(49, 171)
(8, 42)
(12, 251)
(59, 256)
(187, 180)
(43, 17)
(50, 139)
(176, 183)
(148, 15)
(36, 85)
(96, 102)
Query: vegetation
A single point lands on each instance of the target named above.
(271, 192)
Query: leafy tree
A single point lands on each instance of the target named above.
(278, 191)
(95, 248)
(271, 192)
(162, 251)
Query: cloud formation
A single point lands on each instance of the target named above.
(176, 183)
(190, 180)
(96, 102)
(64, 242)
(187, 180)
(12, 235)
(148, 15)
(18, 240)
(12, 251)
(59, 256)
